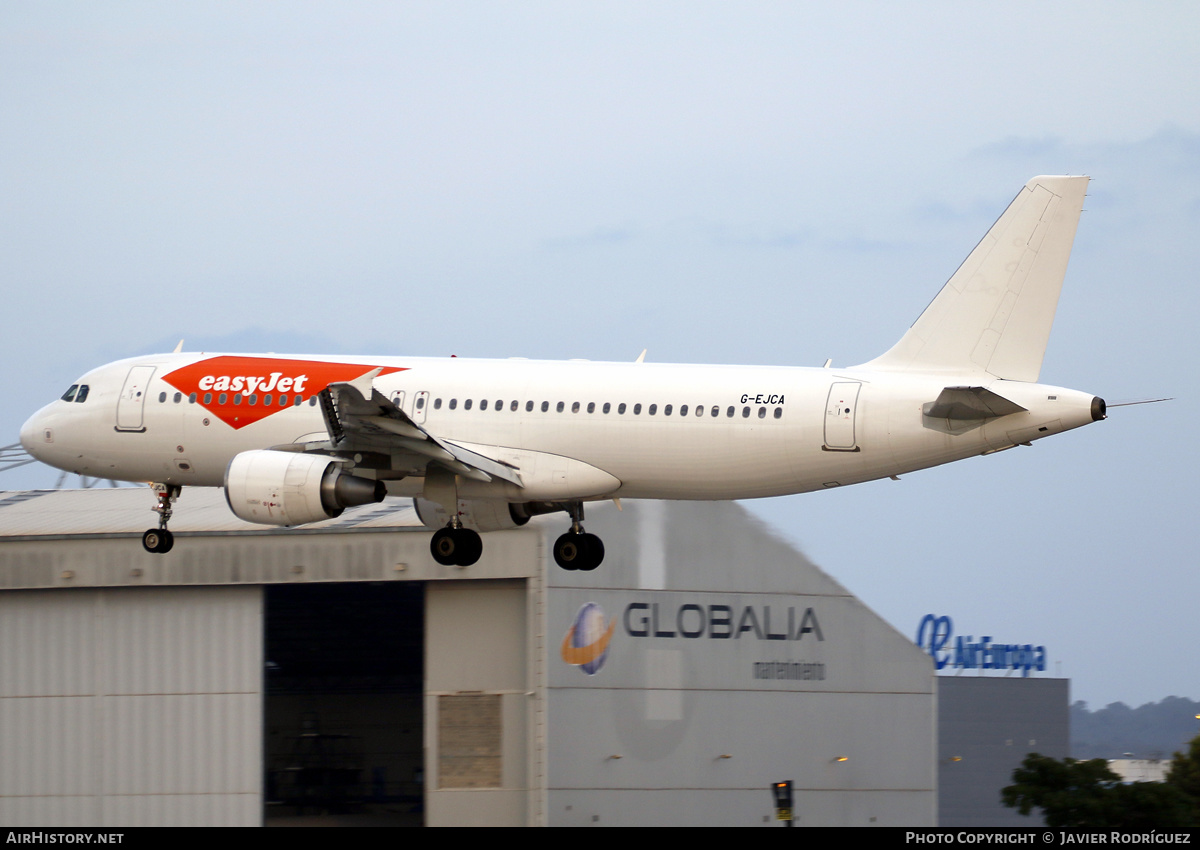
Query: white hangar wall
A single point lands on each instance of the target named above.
(733, 663)
(131, 706)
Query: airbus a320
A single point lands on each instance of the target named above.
(483, 445)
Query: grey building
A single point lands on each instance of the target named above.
(986, 727)
(338, 674)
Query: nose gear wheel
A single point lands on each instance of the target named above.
(160, 540)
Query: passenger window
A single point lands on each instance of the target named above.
(178, 397)
(560, 407)
(467, 404)
(762, 413)
(716, 411)
(637, 408)
(162, 397)
(699, 410)
(621, 408)
(69, 395)
(237, 398)
(252, 398)
(575, 407)
(82, 395)
(453, 403)
(267, 399)
(421, 402)
(222, 398)
(513, 406)
(208, 398)
(192, 398)
(312, 401)
(778, 412)
(437, 404)
(482, 404)
(667, 411)
(729, 411)
(607, 407)
(591, 407)
(745, 413)
(545, 406)
(299, 400)
(682, 410)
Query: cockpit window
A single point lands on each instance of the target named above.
(81, 396)
(69, 395)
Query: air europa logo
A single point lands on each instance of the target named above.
(240, 390)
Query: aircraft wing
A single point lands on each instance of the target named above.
(359, 418)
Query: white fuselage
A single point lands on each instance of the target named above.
(575, 429)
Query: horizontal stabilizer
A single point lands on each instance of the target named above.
(969, 404)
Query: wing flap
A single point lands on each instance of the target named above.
(352, 417)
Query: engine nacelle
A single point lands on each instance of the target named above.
(483, 514)
(292, 488)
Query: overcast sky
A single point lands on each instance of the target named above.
(716, 182)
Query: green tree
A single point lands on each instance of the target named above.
(1087, 794)
(1185, 776)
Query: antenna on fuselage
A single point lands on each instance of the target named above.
(641, 358)
(178, 348)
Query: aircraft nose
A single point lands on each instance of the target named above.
(36, 433)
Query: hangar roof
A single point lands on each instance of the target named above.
(127, 510)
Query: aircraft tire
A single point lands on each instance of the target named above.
(571, 551)
(444, 546)
(470, 547)
(157, 540)
(594, 548)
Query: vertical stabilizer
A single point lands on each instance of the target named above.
(994, 315)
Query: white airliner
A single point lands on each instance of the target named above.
(485, 444)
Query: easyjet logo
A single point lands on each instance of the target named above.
(243, 390)
(251, 384)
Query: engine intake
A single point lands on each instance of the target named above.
(291, 488)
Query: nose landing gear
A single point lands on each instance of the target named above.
(160, 540)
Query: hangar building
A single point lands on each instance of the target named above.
(337, 674)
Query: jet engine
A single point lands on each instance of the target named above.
(484, 514)
(292, 488)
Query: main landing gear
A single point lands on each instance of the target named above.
(160, 540)
(458, 546)
(578, 550)
(455, 546)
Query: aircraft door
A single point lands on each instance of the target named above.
(420, 403)
(840, 411)
(131, 405)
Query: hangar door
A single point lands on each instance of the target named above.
(126, 706)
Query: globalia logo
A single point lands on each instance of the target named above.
(585, 645)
